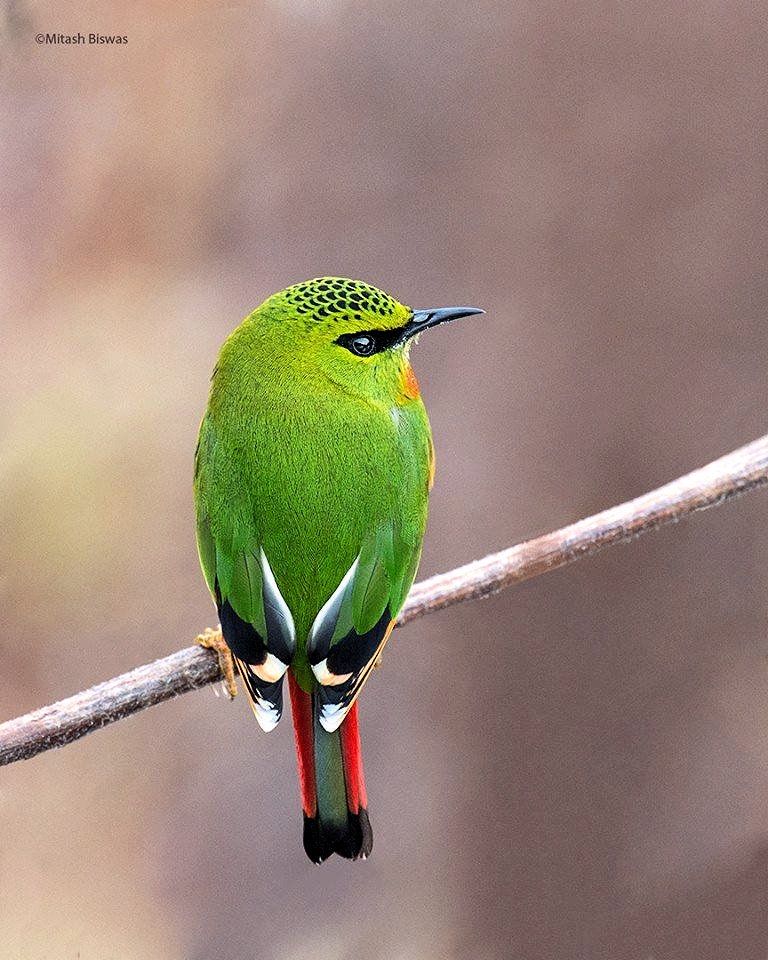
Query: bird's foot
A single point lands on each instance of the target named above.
(213, 640)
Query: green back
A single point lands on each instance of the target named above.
(315, 456)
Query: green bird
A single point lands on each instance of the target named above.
(312, 474)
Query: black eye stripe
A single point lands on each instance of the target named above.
(380, 339)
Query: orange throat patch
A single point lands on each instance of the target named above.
(409, 385)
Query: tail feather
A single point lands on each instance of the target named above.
(333, 795)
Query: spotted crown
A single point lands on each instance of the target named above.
(322, 298)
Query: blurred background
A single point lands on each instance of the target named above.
(592, 174)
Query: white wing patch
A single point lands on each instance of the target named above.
(325, 623)
(276, 612)
(266, 699)
(332, 714)
(267, 715)
(264, 681)
(324, 676)
(271, 670)
(342, 664)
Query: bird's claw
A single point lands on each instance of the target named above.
(213, 640)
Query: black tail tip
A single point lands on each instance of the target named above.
(354, 840)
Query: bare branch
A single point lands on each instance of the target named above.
(68, 720)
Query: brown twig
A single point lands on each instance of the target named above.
(61, 723)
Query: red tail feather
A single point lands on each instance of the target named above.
(301, 710)
(353, 761)
(335, 815)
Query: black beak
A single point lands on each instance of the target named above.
(423, 319)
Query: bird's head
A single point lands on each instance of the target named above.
(348, 332)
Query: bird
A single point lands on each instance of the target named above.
(312, 474)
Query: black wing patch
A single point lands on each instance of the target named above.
(266, 698)
(242, 638)
(346, 668)
(261, 669)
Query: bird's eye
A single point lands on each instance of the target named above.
(363, 345)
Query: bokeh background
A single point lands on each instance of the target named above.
(595, 176)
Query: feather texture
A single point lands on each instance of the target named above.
(312, 474)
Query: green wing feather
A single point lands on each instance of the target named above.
(350, 632)
(234, 566)
(280, 486)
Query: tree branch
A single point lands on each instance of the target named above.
(68, 720)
